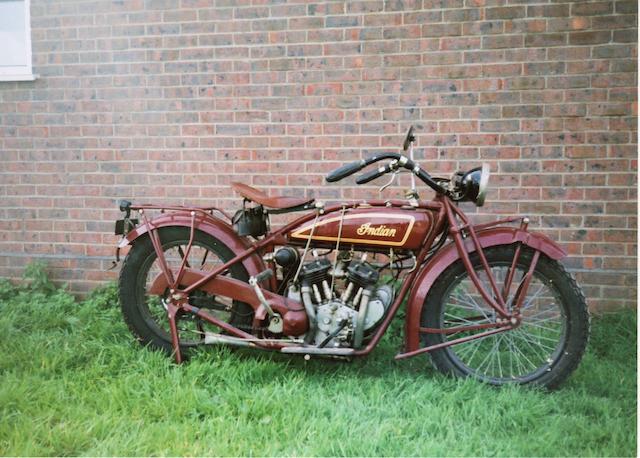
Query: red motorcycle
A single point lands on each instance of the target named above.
(484, 300)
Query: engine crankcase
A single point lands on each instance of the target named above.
(330, 317)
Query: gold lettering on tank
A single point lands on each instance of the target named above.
(376, 231)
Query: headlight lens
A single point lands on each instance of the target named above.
(474, 184)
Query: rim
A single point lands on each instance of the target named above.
(152, 308)
(519, 355)
(484, 184)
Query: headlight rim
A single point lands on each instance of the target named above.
(483, 186)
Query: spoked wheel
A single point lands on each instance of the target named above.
(543, 350)
(146, 313)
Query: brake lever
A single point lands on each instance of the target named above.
(390, 182)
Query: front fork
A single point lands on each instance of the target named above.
(509, 315)
(497, 300)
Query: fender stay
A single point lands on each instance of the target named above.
(448, 255)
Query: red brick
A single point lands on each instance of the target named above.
(545, 40)
(508, 12)
(591, 8)
(548, 10)
(590, 38)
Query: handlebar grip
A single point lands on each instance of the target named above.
(345, 171)
(264, 275)
(372, 175)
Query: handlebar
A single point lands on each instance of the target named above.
(398, 161)
(353, 167)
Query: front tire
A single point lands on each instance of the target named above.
(544, 350)
(145, 314)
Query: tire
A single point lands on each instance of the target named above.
(146, 316)
(543, 351)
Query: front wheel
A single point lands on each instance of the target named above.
(543, 350)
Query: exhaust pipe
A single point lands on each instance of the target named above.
(211, 338)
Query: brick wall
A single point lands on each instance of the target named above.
(170, 100)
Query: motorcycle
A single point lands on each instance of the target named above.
(490, 301)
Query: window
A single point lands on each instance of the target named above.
(15, 39)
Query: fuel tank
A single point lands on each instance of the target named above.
(367, 227)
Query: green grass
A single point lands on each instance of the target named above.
(73, 382)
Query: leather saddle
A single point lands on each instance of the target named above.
(273, 202)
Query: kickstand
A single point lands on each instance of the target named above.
(172, 314)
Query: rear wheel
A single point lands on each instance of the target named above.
(146, 314)
(543, 350)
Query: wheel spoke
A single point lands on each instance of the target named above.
(466, 319)
(181, 253)
(532, 338)
(532, 346)
(529, 300)
(204, 258)
(481, 365)
(498, 355)
(557, 317)
(473, 305)
(457, 317)
(509, 340)
(472, 344)
(462, 304)
(542, 312)
(491, 362)
(532, 364)
(526, 323)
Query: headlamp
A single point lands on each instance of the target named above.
(474, 184)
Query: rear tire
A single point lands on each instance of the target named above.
(544, 350)
(146, 315)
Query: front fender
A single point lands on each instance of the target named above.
(448, 255)
(208, 224)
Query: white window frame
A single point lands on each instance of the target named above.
(21, 72)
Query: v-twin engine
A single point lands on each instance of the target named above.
(342, 320)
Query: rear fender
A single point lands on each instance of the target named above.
(205, 223)
(448, 255)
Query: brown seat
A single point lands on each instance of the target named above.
(259, 197)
